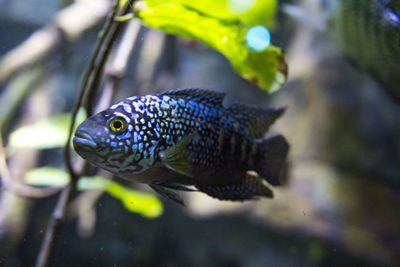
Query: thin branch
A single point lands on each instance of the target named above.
(106, 39)
(114, 33)
(118, 65)
(54, 226)
(86, 80)
(16, 187)
(91, 78)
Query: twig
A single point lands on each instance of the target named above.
(118, 65)
(115, 31)
(91, 78)
(54, 226)
(109, 33)
(85, 85)
(113, 75)
(16, 187)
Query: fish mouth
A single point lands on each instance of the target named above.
(83, 140)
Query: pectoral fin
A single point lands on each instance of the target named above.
(168, 193)
(176, 157)
(248, 188)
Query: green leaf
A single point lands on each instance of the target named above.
(146, 205)
(266, 68)
(46, 133)
(47, 176)
(250, 12)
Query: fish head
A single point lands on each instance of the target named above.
(104, 139)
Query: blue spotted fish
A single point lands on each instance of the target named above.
(186, 137)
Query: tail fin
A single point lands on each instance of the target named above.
(272, 163)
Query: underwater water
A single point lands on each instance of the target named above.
(342, 122)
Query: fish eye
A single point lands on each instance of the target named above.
(117, 125)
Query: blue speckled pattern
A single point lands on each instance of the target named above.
(218, 144)
(155, 122)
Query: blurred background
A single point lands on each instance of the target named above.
(340, 208)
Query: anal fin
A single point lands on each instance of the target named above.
(248, 188)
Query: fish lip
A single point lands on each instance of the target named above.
(84, 140)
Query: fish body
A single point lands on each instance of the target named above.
(186, 137)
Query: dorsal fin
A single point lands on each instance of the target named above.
(256, 120)
(204, 96)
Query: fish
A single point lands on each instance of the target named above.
(366, 31)
(186, 140)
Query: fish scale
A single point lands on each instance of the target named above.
(184, 136)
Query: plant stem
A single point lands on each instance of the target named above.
(106, 49)
(85, 82)
(105, 41)
(54, 226)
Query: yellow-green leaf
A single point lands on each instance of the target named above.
(266, 67)
(250, 12)
(44, 134)
(47, 176)
(146, 205)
